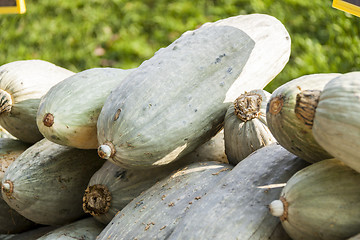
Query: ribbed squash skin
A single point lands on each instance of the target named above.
(75, 104)
(323, 202)
(246, 131)
(26, 82)
(155, 213)
(337, 119)
(236, 207)
(46, 182)
(84, 229)
(177, 100)
(112, 187)
(292, 132)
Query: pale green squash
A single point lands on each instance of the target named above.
(337, 119)
(288, 116)
(155, 213)
(177, 100)
(321, 201)
(236, 206)
(245, 127)
(46, 182)
(68, 112)
(112, 187)
(22, 84)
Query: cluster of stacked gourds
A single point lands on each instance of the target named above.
(186, 146)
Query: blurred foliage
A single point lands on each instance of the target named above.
(81, 34)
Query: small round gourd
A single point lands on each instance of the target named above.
(245, 128)
(321, 201)
(22, 84)
(288, 117)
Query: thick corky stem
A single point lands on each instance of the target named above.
(96, 200)
(247, 106)
(5, 101)
(48, 120)
(306, 104)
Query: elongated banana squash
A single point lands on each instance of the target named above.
(245, 128)
(236, 206)
(288, 115)
(22, 84)
(177, 100)
(68, 112)
(46, 182)
(155, 213)
(321, 201)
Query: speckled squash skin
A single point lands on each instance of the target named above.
(245, 128)
(112, 187)
(336, 123)
(84, 229)
(236, 207)
(22, 84)
(288, 121)
(74, 105)
(322, 202)
(155, 213)
(11, 221)
(46, 182)
(177, 100)
(10, 149)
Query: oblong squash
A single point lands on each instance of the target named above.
(288, 118)
(177, 100)
(46, 182)
(321, 201)
(84, 229)
(245, 128)
(68, 112)
(236, 207)
(112, 187)
(337, 119)
(22, 84)
(155, 213)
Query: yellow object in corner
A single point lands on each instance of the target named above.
(12, 6)
(350, 6)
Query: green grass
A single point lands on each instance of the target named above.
(81, 34)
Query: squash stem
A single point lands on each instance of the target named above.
(279, 208)
(306, 104)
(106, 150)
(247, 106)
(96, 200)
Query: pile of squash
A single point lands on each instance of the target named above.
(186, 146)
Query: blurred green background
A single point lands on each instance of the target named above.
(79, 34)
